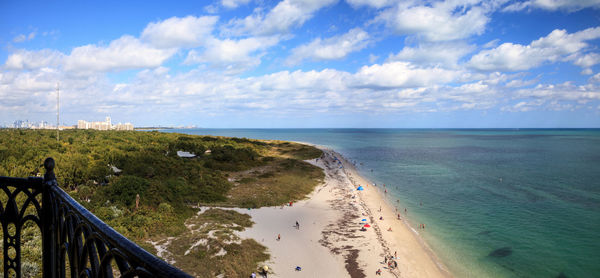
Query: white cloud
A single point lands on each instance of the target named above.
(332, 48)
(554, 47)
(327, 79)
(20, 38)
(565, 96)
(371, 3)
(285, 15)
(552, 5)
(42, 80)
(587, 71)
(524, 106)
(126, 52)
(233, 3)
(23, 37)
(189, 31)
(436, 54)
(587, 60)
(518, 83)
(491, 44)
(234, 55)
(440, 21)
(401, 75)
(562, 92)
(25, 59)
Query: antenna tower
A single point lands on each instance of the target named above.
(57, 111)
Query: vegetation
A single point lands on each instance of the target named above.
(106, 170)
(221, 251)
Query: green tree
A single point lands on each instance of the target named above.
(124, 190)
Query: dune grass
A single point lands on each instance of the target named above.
(212, 248)
(281, 181)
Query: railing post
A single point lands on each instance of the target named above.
(49, 248)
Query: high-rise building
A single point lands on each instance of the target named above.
(106, 125)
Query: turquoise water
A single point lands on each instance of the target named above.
(497, 203)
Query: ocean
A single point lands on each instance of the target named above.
(496, 202)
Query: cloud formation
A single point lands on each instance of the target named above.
(23, 37)
(553, 5)
(233, 3)
(558, 45)
(399, 57)
(26, 59)
(371, 3)
(279, 20)
(332, 48)
(440, 21)
(189, 31)
(434, 54)
(126, 52)
(234, 55)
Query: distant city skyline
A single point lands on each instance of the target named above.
(103, 125)
(81, 124)
(304, 63)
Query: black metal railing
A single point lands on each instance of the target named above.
(74, 241)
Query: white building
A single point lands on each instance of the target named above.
(106, 125)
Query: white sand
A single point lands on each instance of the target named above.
(329, 243)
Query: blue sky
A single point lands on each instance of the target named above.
(303, 63)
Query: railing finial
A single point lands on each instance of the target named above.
(49, 165)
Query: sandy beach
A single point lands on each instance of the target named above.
(329, 241)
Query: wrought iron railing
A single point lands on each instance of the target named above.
(74, 241)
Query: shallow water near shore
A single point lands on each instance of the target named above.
(496, 203)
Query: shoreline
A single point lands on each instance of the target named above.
(330, 242)
(390, 206)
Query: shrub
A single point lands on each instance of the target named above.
(125, 189)
(165, 208)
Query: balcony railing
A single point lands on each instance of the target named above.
(74, 240)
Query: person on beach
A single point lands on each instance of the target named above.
(395, 254)
(297, 225)
(389, 229)
(380, 217)
(378, 272)
(278, 237)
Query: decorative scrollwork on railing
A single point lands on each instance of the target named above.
(19, 203)
(75, 242)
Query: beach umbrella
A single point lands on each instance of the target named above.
(367, 226)
(360, 188)
(364, 219)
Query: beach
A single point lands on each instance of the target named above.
(329, 241)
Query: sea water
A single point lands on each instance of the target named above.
(496, 203)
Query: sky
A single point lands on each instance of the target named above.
(303, 63)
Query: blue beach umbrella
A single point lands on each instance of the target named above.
(364, 219)
(360, 188)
